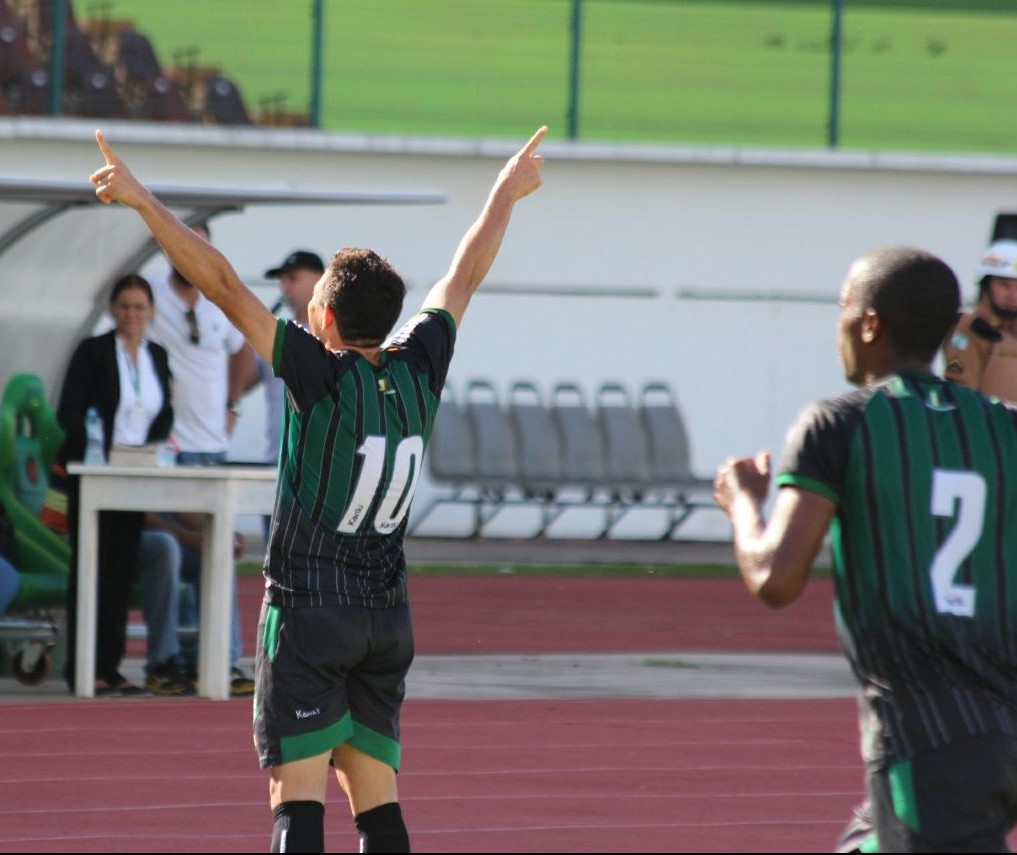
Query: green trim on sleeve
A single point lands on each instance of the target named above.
(316, 742)
(277, 346)
(376, 745)
(801, 482)
(443, 313)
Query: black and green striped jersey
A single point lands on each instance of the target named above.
(353, 440)
(924, 542)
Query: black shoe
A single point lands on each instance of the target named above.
(118, 686)
(241, 686)
(168, 678)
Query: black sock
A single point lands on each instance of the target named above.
(299, 827)
(382, 829)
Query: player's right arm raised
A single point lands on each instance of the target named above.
(479, 246)
(196, 259)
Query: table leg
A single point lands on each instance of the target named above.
(88, 594)
(216, 607)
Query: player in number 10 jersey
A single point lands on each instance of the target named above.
(371, 422)
(335, 639)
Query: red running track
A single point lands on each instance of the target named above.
(484, 776)
(180, 775)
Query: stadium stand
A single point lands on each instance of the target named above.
(89, 84)
(615, 457)
(147, 91)
(110, 70)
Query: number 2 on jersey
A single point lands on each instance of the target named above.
(963, 492)
(398, 492)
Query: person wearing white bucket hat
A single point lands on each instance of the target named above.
(981, 350)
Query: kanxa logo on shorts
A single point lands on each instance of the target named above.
(308, 713)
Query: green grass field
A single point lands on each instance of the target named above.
(924, 76)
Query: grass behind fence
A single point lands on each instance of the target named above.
(930, 77)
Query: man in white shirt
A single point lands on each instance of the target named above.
(212, 365)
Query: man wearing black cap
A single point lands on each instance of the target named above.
(297, 275)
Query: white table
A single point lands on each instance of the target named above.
(222, 492)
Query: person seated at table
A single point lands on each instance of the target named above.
(188, 530)
(127, 379)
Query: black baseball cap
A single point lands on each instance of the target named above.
(301, 259)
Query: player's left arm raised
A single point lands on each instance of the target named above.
(196, 259)
(476, 252)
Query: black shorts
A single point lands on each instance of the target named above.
(330, 675)
(961, 798)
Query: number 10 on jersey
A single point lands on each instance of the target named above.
(397, 493)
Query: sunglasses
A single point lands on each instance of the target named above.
(192, 326)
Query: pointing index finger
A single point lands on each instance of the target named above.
(531, 146)
(107, 152)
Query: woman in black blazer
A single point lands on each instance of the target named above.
(127, 379)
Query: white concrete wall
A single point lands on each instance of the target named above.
(716, 270)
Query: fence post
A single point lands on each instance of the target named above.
(574, 57)
(317, 49)
(56, 59)
(836, 49)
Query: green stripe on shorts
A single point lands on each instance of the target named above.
(376, 745)
(270, 637)
(902, 789)
(317, 741)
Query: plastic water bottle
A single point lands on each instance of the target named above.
(94, 444)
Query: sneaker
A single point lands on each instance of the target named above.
(241, 686)
(168, 678)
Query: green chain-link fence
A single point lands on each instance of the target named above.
(896, 74)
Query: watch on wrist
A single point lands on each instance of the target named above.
(233, 407)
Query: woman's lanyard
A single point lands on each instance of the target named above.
(136, 414)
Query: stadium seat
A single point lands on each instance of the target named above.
(582, 445)
(451, 458)
(14, 51)
(626, 452)
(223, 103)
(540, 463)
(30, 96)
(135, 58)
(670, 455)
(497, 467)
(540, 452)
(450, 452)
(90, 84)
(163, 101)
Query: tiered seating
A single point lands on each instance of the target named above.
(109, 71)
(617, 456)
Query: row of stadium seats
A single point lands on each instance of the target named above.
(109, 71)
(618, 454)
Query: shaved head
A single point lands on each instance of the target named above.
(915, 294)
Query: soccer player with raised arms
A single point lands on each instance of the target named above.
(335, 640)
